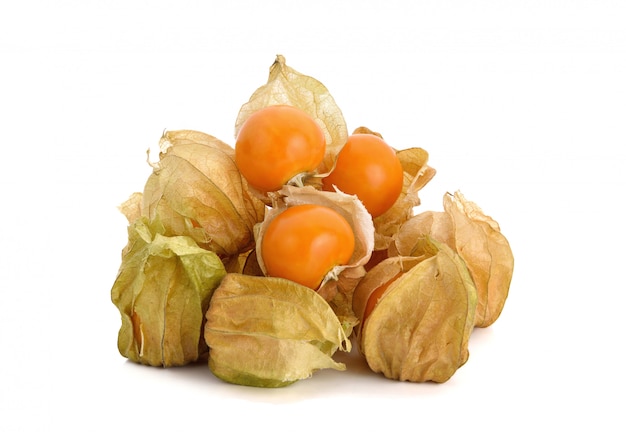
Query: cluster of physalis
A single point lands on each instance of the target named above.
(265, 258)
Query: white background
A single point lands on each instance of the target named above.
(521, 105)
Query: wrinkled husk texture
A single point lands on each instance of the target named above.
(420, 328)
(347, 206)
(339, 283)
(487, 253)
(477, 239)
(270, 332)
(286, 86)
(162, 292)
(192, 281)
(196, 190)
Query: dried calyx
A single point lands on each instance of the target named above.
(270, 332)
(162, 291)
(193, 279)
(195, 190)
(419, 327)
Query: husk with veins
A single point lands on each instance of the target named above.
(198, 219)
(436, 224)
(477, 238)
(286, 86)
(196, 190)
(380, 274)
(337, 286)
(270, 332)
(419, 330)
(487, 253)
(162, 291)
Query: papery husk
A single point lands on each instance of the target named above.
(417, 173)
(270, 332)
(339, 295)
(380, 274)
(236, 263)
(196, 190)
(251, 266)
(131, 208)
(434, 224)
(162, 291)
(487, 253)
(346, 205)
(419, 330)
(286, 86)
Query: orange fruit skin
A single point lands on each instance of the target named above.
(305, 242)
(276, 143)
(370, 169)
(376, 295)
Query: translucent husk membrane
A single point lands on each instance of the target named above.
(197, 191)
(287, 86)
(346, 205)
(270, 332)
(339, 283)
(197, 219)
(477, 239)
(419, 330)
(162, 291)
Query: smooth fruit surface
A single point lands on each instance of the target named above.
(305, 242)
(370, 169)
(275, 144)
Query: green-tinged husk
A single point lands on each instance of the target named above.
(339, 283)
(270, 332)
(196, 190)
(162, 291)
(192, 283)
